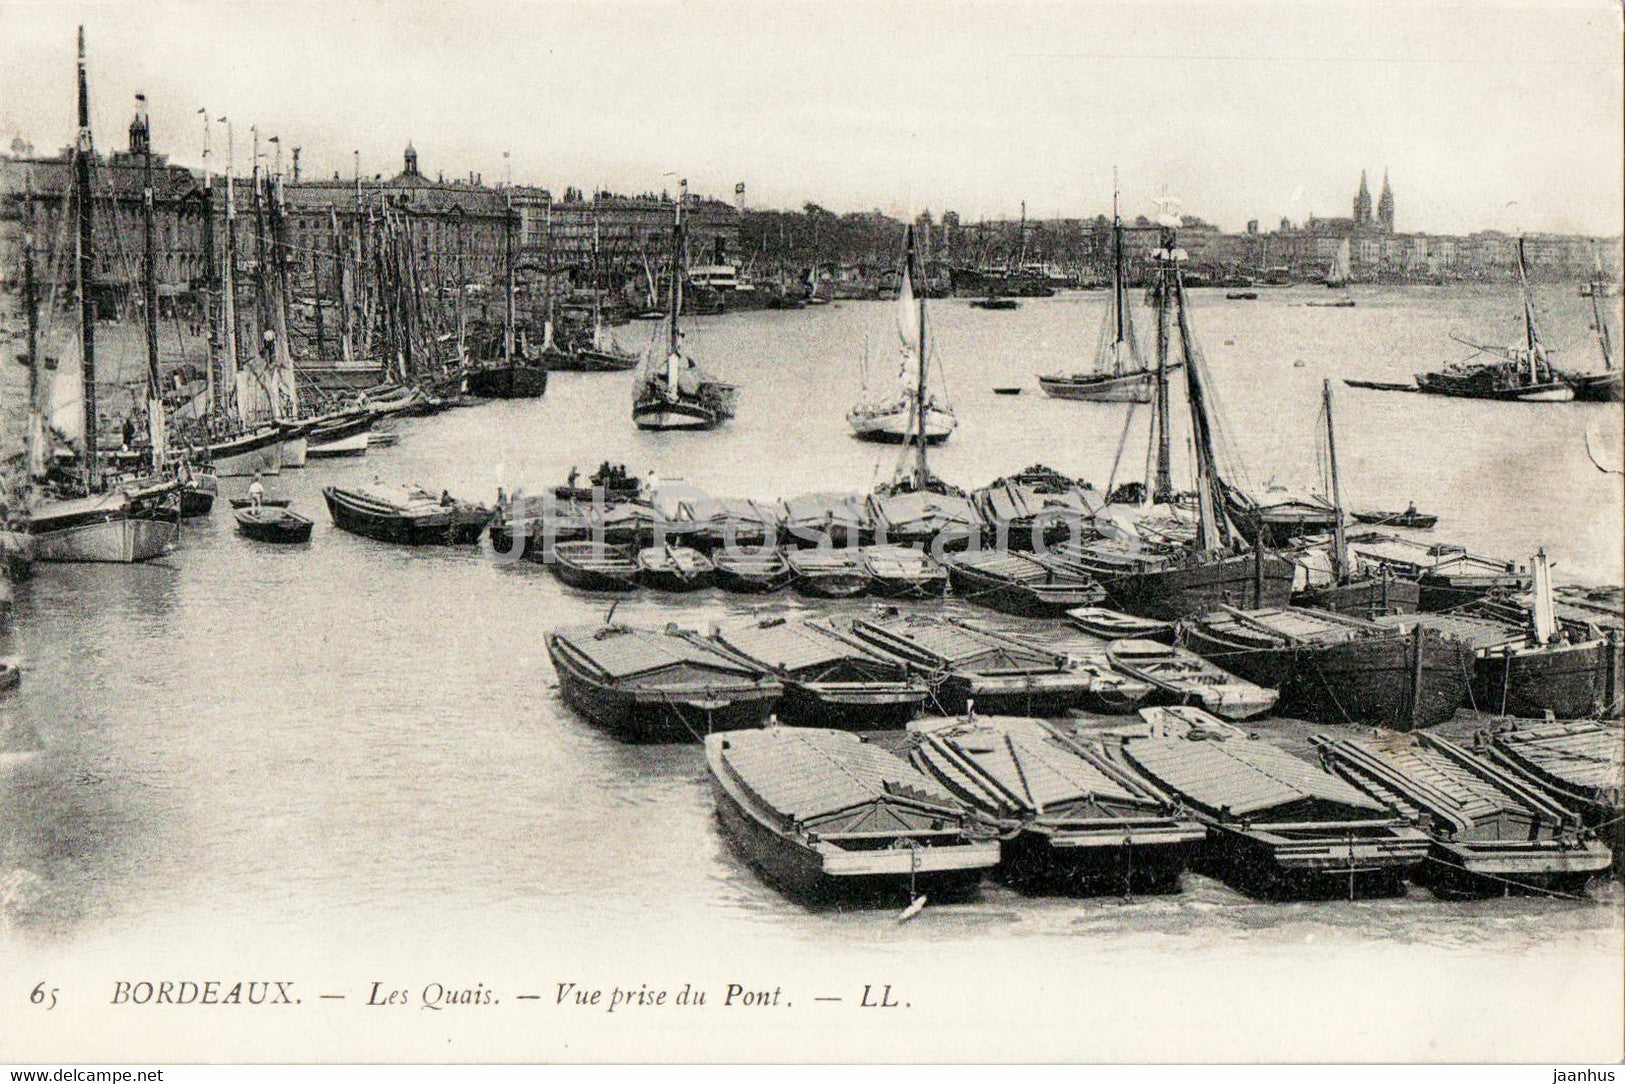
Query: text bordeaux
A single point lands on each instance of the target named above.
(208, 992)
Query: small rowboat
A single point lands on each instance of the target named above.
(1022, 584)
(1115, 625)
(238, 503)
(675, 568)
(1007, 391)
(1420, 521)
(752, 573)
(11, 674)
(593, 567)
(273, 525)
(829, 573)
(1186, 678)
(903, 572)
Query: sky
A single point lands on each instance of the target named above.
(1487, 114)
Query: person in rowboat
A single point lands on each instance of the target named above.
(256, 490)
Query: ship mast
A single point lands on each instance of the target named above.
(1599, 289)
(1530, 335)
(155, 404)
(1340, 550)
(1163, 488)
(922, 472)
(85, 268)
(1117, 283)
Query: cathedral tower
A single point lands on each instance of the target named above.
(1362, 203)
(1385, 206)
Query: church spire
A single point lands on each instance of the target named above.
(1362, 203)
(1385, 206)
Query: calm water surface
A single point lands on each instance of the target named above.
(318, 742)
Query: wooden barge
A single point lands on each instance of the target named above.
(1491, 834)
(1186, 678)
(828, 818)
(652, 685)
(1072, 821)
(412, 517)
(1578, 763)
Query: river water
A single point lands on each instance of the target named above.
(353, 744)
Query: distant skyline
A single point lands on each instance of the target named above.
(1491, 115)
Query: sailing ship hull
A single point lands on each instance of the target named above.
(1597, 387)
(1401, 682)
(256, 453)
(1490, 385)
(895, 427)
(589, 360)
(452, 527)
(508, 382)
(662, 714)
(1572, 681)
(1130, 388)
(353, 445)
(1169, 594)
(114, 537)
(661, 415)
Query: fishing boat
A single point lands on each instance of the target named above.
(1577, 762)
(1282, 516)
(1518, 373)
(821, 520)
(903, 572)
(894, 414)
(677, 392)
(1186, 678)
(197, 494)
(1071, 820)
(1115, 625)
(1036, 508)
(1410, 518)
(1333, 668)
(752, 572)
(888, 415)
(916, 507)
(828, 680)
(83, 514)
(829, 573)
(1277, 826)
(1606, 386)
(999, 674)
(652, 685)
(409, 515)
(1490, 833)
(1154, 572)
(601, 353)
(268, 524)
(1120, 374)
(1029, 585)
(827, 817)
(674, 568)
(593, 566)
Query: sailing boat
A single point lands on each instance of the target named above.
(1176, 577)
(1337, 278)
(677, 393)
(1524, 373)
(603, 353)
(890, 418)
(1121, 375)
(1350, 590)
(515, 377)
(917, 507)
(1603, 387)
(89, 516)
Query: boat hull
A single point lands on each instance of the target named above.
(1322, 865)
(340, 447)
(1572, 681)
(508, 382)
(1597, 387)
(1373, 597)
(449, 528)
(1133, 388)
(663, 715)
(1475, 870)
(259, 453)
(883, 705)
(1132, 861)
(1169, 594)
(673, 416)
(116, 538)
(886, 879)
(285, 529)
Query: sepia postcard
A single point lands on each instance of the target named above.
(695, 531)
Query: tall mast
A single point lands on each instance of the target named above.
(1117, 283)
(286, 382)
(149, 213)
(462, 292)
(675, 290)
(228, 290)
(1599, 289)
(35, 439)
(922, 472)
(1163, 489)
(343, 296)
(210, 273)
(1340, 552)
(85, 268)
(507, 313)
(1210, 529)
(1531, 336)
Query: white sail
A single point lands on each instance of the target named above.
(66, 412)
(908, 314)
